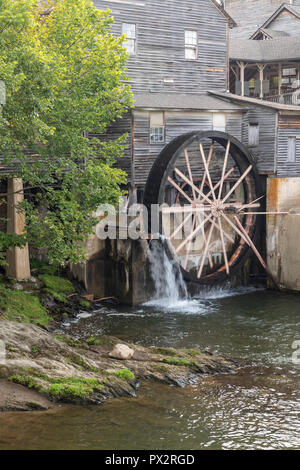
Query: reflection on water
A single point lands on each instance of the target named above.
(259, 408)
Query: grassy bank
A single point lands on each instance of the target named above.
(48, 296)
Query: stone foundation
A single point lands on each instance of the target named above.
(116, 268)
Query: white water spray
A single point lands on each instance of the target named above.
(170, 288)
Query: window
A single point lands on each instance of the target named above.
(289, 76)
(130, 43)
(253, 135)
(219, 122)
(289, 72)
(191, 40)
(157, 127)
(291, 156)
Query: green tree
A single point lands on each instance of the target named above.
(65, 76)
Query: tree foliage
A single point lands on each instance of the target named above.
(65, 76)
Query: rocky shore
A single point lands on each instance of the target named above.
(39, 369)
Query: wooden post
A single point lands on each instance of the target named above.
(17, 258)
(242, 77)
(261, 68)
(279, 77)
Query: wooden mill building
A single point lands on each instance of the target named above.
(183, 59)
(208, 65)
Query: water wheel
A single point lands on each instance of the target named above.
(208, 191)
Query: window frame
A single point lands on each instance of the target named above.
(153, 129)
(219, 128)
(129, 39)
(291, 139)
(257, 141)
(190, 46)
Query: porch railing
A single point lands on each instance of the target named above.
(286, 98)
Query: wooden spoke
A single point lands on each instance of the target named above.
(251, 244)
(223, 245)
(181, 226)
(239, 206)
(186, 180)
(234, 227)
(179, 189)
(225, 233)
(185, 210)
(208, 165)
(265, 213)
(189, 171)
(207, 243)
(252, 204)
(190, 244)
(224, 169)
(192, 235)
(237, 183)
(207, 172)
(218, 184)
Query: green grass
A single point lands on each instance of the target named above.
(124, 374)
(73, 342)
(63, 388)
(57, 284)
(192, 352)
(41, 267)
(165, 351)
(74, 388)
(178, 361)
(26, 381)
(85, 303)
(93, 341)
(22, 306)
(59, 296)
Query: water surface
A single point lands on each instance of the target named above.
(259, 408)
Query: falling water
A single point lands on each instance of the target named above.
(170, 288)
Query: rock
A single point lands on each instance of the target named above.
(69, 370)
(121, 351)
(18, 287)
(15, 397)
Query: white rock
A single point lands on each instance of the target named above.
(121, 351)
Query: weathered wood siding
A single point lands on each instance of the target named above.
(265, 153)
(288, 126)
(116, 130)
(160, 44)
(177, 123)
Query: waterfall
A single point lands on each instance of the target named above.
(169, 284)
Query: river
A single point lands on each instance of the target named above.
(259, 408)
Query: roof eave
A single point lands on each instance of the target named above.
(230, 20)
(278, 11)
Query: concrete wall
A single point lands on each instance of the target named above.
(116, 268)
(283, 231)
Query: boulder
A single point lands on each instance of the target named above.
(121, 351)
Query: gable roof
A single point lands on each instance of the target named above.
(273, 50)
(294, 9)
(271, 33)
(245, 99)
(252, 14)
